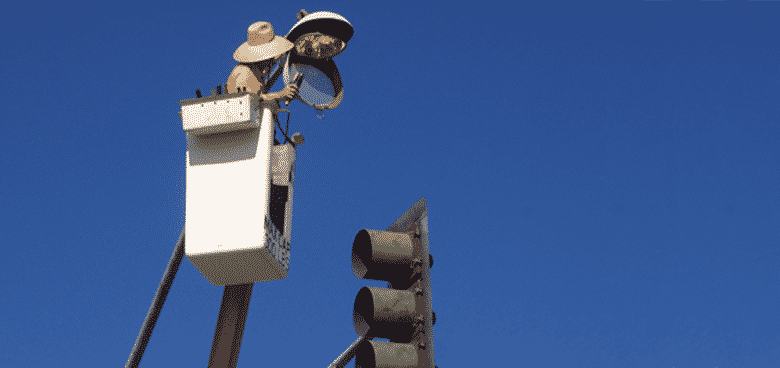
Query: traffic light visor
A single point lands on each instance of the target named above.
(383, 354)
(382, 312)
(382, 255)
(361, 253)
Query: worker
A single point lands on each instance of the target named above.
(256, 58)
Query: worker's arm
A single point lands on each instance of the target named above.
(242, 77)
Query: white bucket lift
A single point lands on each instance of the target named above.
(239, 189)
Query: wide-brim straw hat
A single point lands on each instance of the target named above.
(261, 44)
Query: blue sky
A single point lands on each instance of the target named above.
(602, 181)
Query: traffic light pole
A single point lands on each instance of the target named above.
(230, 326)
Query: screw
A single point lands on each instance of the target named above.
(301, 14)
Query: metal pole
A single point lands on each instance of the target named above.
(159, 299)
(230, 326)
(348, 354)
(235, 298)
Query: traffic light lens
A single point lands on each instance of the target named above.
(363, 311)
(361, 253)
(364, 355)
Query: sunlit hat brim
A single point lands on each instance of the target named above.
(250, 54)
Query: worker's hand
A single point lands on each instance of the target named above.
(289, 92)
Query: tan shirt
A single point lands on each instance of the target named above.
(244, 76)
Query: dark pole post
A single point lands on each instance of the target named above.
(230, 326)
(159, 299)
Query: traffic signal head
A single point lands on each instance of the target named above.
(401, 312)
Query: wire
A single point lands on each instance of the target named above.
(277, 72)
(288, 125)
(286, 137)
